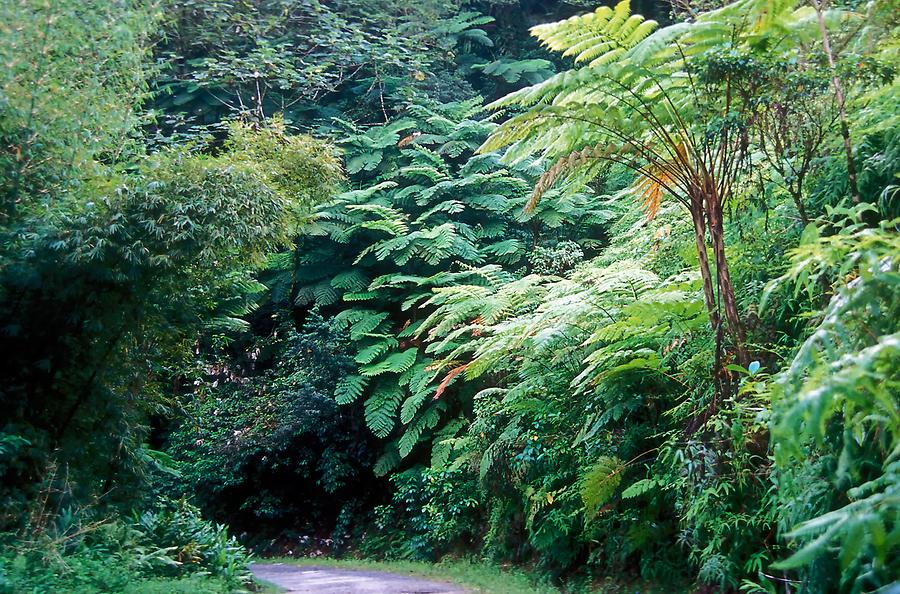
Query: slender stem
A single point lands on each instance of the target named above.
(820, 6)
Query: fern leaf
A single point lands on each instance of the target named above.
(381, 409)
(366, 323)
(639, 488)
(351, 280)
(600, 483)
(448, 379)
(349, 388)
(388, 461)
(414, 431)
(411, 406)
(394, 363)
(363, 296)
(445, 441)
(372, 352)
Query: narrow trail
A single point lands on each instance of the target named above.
(327, 580)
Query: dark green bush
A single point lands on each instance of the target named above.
(432, 512)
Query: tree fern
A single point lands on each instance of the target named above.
(641, 105)
(418, 216)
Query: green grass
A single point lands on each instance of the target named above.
(478, 578)
(263, 587)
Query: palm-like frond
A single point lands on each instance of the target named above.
(599, 37)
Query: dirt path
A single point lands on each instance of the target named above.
(326, 580)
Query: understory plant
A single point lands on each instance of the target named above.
(167, 545)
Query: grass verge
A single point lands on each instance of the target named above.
(263, 587)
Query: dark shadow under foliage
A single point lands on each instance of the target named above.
(263, 445)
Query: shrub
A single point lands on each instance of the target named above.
(166, 549)
(192, 543)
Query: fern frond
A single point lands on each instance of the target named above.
(381, 408)
(600, 483)
(388, 461)
(445, 442)
(413, 434)
(448, 379)
(411, 406)
(640, 488)
(599, 37)
(362, 196)
(349, 388)
(393, 363)
(350, 280)
(366, 323)
(372, 352)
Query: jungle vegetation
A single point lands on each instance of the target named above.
(610, 293)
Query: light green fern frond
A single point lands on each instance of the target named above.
(600, 483)
(600, 36)
(393, 363)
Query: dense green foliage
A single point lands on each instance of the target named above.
(618, 300)
(168, 548)
(115, 262)
(263, 443)
(428, 210)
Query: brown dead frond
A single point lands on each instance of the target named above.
(657, 180)
(650, 192)
(565, 166)
(442, 387)
(407, 140)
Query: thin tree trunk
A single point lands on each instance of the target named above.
(839, 95)
(705, 274)
(798, 202)
(723, 277)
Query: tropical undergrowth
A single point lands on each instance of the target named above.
(630, 333)
(618, 301)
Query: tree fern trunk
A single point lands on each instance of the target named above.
(705, 273)
(723, 278)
